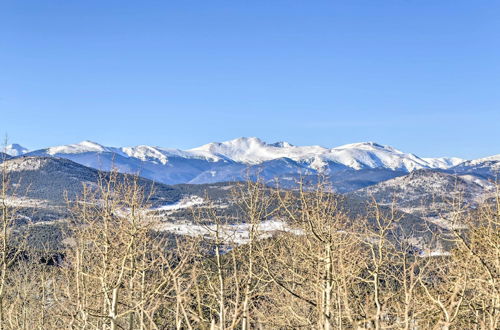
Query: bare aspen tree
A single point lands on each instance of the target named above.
(408, 269)
(380, 247)
(308, 267)
(213, 267)
(114, 265)
(9, 251)
(256, 205)
(445, 294)
(477, 257)
(228, 275)
(30, 292)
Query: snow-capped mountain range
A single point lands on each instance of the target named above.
(236, 159)
(254, 151)
(356, 156)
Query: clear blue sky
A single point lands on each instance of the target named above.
(421, 75)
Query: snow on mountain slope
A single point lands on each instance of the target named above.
(161, 165)
(15, 150)
(373, 155)
(495, 158)
(254, 151)
(488, 167)
(142, 152)
(429, 194)
(155, 154)
(356, 155)
(443, 162)
(82, 147)
(427, 183)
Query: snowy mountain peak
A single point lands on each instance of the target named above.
(89, 143)
(361, 145)
(15, 150)
(253, 151)
(282, 144)
(146, 153)
(82, 147)
(239, 143)
(367, 146)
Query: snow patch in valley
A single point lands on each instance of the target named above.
(20, 202)
(231, 233)
(479, 181)
(185, 202)
(24, 164)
